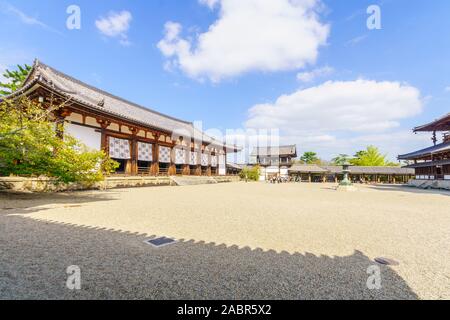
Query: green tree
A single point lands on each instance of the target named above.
(369, 157)
(251, 174)
(309, 157)
(341, 159)
(29, 146)
(15, 79)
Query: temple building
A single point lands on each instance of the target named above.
(274, 161)
(358, 174)
(143, 141)
(433, 163)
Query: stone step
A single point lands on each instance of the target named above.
(192, 180)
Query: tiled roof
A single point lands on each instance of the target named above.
(427, 151)
(307, 168)
(441, 124)
(105, 102)
(370, 170)
(429, 164)
(290, 150)
(235, 166)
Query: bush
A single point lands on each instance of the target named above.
(251, 174)
(29, 146)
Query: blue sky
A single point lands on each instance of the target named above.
(321, 76)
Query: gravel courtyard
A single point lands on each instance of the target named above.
(235, 241)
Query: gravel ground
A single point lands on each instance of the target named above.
(235, 241)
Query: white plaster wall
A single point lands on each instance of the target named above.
(86, 135)
(272, 170)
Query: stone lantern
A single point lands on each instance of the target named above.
(346, 184)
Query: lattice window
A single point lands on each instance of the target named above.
(205, 159)
(193, 158)
(164, 154)
(119, 148)
(221, 161)
(214, 161)
(180, 156)
(145, 152)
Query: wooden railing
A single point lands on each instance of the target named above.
(144, 171)
(164, 171)
(446, 137)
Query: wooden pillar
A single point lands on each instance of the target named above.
(324, 179)
(309, 178)
(172, 170)
(134, 151)
(104, 142)
(59, 126)
(155, 164)
(104, 139)
(336, 180)
(187, 160)
(134, 157)
(60, 116)
(172, 167)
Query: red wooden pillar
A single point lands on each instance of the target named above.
(104, 138)
(155, 164)
(172, 167)
(134, 151)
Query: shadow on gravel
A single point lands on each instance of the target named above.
(406, 188)
(119, 265)
(33, 202)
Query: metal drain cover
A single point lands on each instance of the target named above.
(386, 261)
(160, 242)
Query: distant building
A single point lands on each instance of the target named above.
(234, 169)
(432, 163)
(274, 161)
(316, 173)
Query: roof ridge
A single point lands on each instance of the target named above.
(62, 74)
(280, 146)
(418, 128)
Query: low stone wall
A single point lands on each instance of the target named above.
(22, 184)
(137, 181)
(430, 184)
(223, 179)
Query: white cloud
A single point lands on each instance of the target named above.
(313, 74)
(447, 89)
(251, 35)
(24, 18)
(115, 25)
(356, 40)
(210, 3)
(341, 116)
